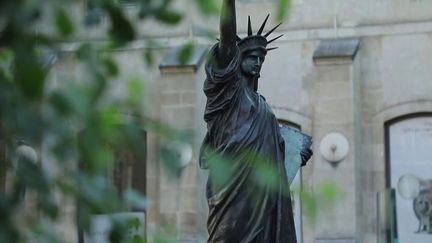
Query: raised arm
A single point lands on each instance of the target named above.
(228, 33)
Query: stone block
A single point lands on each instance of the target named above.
(188, 97)
(340, 73)
(170, 98)
(152, 213)
(169, 201)
(178, 82)
(180, 117)
(188, 222)
(336, 111)
(167, 180)
(168, 220)
(333, 90)
(152, 189)
(336, 48)
(188, 199)
(173, 63)
(189, 176)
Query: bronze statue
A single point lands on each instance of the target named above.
(242, 128)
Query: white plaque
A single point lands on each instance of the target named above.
(410, 157)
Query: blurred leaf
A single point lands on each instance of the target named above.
(145, 10)
(8, 234)
(6, 59)
(48, 206)
(149, 57)
(96, 196)
(205, 32)
(136, 200)
(264, 174)
(323, 196)
(84, 51)
(73, 100)
(165, 235)
(29, 73)
(118, 232)
(185, 53)
(52, 115)
(310, 204)
(329, 191)
(168, 17)
(135, 91)
(31, 176)
(208, 6)
(137, 239)
(63, 23)
(170, 161)
(121, 30)
(283, 7)
(110, 67)
(220, 169)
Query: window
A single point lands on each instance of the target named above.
(409, 171)
(128, 171)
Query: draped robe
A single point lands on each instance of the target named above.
(241, 128)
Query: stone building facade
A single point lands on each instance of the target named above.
(343, 66)
(354, 68)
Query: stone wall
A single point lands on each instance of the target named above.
(181, 201)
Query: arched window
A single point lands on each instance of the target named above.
(295, 187)
(127, 172)
(409, 171)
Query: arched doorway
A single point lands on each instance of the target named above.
(295, 190)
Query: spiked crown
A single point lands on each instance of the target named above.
(257, 41)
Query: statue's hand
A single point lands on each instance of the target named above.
(305, 155)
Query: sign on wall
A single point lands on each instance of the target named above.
(410, 149)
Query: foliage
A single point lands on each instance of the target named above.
(75, 126)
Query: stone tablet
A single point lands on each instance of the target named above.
(295, 142)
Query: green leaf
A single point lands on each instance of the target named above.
(329, 191)
(31, 176)
(110, 67)
(186, 53)
(121, 30)
(208, 6)
(84, 51)
(309, 201)
(29, 75)
(6, 59)
(284, 5)
(168, 17)
(149, 58)
(136, 200)
(135, 91)
(63, 23)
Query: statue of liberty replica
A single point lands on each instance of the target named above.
(242, 129)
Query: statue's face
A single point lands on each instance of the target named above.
(252, 62)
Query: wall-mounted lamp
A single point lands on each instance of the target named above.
(410, 186)
(25, 151)
(334, 147)
(183, 152)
